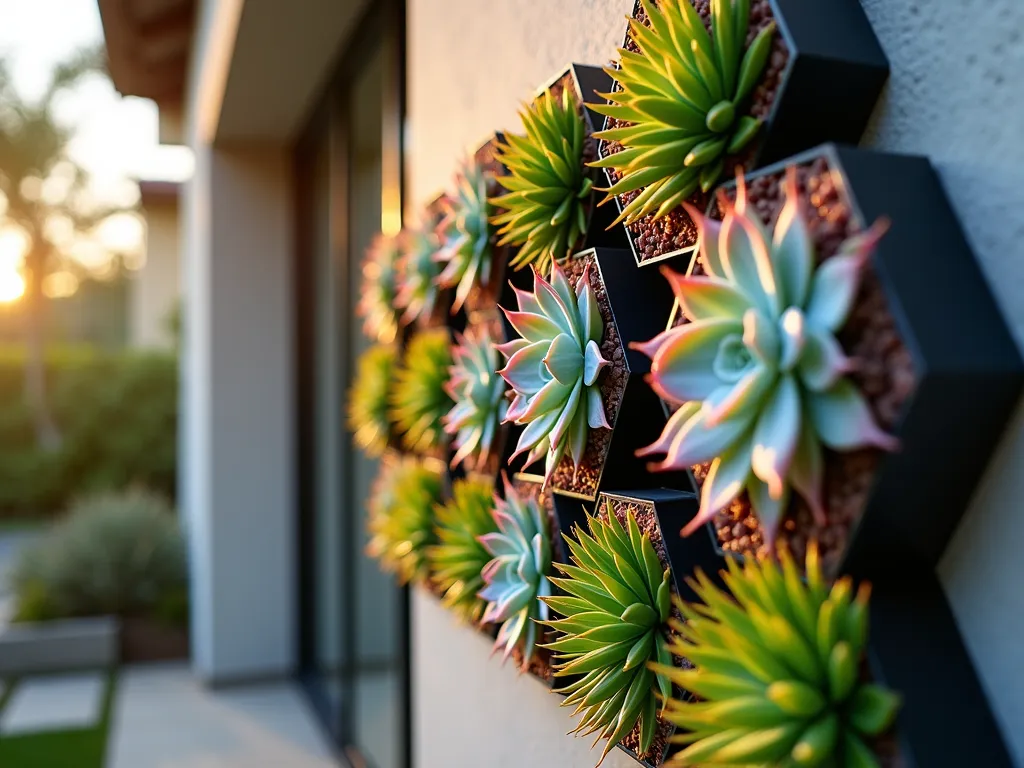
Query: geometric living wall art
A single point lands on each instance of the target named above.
(681, 396)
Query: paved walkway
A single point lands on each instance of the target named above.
(163, 718)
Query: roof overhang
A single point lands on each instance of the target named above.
(158, 192)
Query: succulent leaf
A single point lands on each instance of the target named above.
(516, 577)
(459, 556)
(466, 234)
(479, 396)
(543, 210)
(368, 404)
(613, 629)
(401, 516)
(681, 99)
(757, 370)
(419, 399)
(554, 375)
(777, 672)
(417, 274)
(380, 278)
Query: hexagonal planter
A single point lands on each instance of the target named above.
(890, 515)
(818, 45)
(633, 305)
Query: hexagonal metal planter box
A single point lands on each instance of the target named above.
(818, 46)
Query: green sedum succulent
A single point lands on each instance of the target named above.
(401, 516)
(516, 578)
(417, 274)
(377, 304)
(458, 558)
(778, 675)
(479, 396)
(419, 400)
(466, 248)
(682, 98)
(757, 369)
(544, 209)
(617, 603)
(553, 368)
(368, 416)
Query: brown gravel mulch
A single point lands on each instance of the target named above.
(675, 232)
(885, 377)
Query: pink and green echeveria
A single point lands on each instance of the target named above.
(380, 276)
(466, 234)
(479, 396)
(417, 275)
(757, 372)
(553, 368)
(517, 577)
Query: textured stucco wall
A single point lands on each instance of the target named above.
(955, 95)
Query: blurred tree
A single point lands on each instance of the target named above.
(47, 199)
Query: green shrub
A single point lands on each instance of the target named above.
(117, 415)
(114, 554)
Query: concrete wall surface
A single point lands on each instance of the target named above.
(954, 95)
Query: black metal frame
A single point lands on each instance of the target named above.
(382, 26)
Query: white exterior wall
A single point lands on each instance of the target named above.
(954, 95)
(155, 289)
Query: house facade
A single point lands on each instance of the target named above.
(316, 124)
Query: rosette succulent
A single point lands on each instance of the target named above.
(617, 603)
(377, 303)
(544, 209)
(368, 398)
(401, 516)
(516, 578)
(417, 274)
(681, 99)
(479, 396)
(466, 247)
(459, 556)
(778, 679)
(757, 369)
(553, 368)
(419, 399)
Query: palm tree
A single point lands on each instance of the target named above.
(33, 150)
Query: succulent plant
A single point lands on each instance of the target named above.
(377, 303)
(617, 603)
(682, 98)
(401, 516)
(544, 209)
(516, 578)
(417, 274)
(778, 675)
(419, 399)
(479, 396)
(458, 558)
(466, 248)
(553, 368)
(757, 369)
(368, 416)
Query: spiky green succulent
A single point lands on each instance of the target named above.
(617, 603)
(368, 409)
(458, 558)
(419, 400)
(757, 369)
(479, 396)
(553, 368)
(401, 516)
(466, 234)
(778, 677)
(516, 578)
(417, 274)
(544, 210)
(682, 98)
(377, 303)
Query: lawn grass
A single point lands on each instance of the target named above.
(78, 748)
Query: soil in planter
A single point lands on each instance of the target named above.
(885, 376)
(675, 231)
(540, 663)
(584, 479)
(145, 640)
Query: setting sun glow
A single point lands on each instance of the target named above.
(12, 286)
